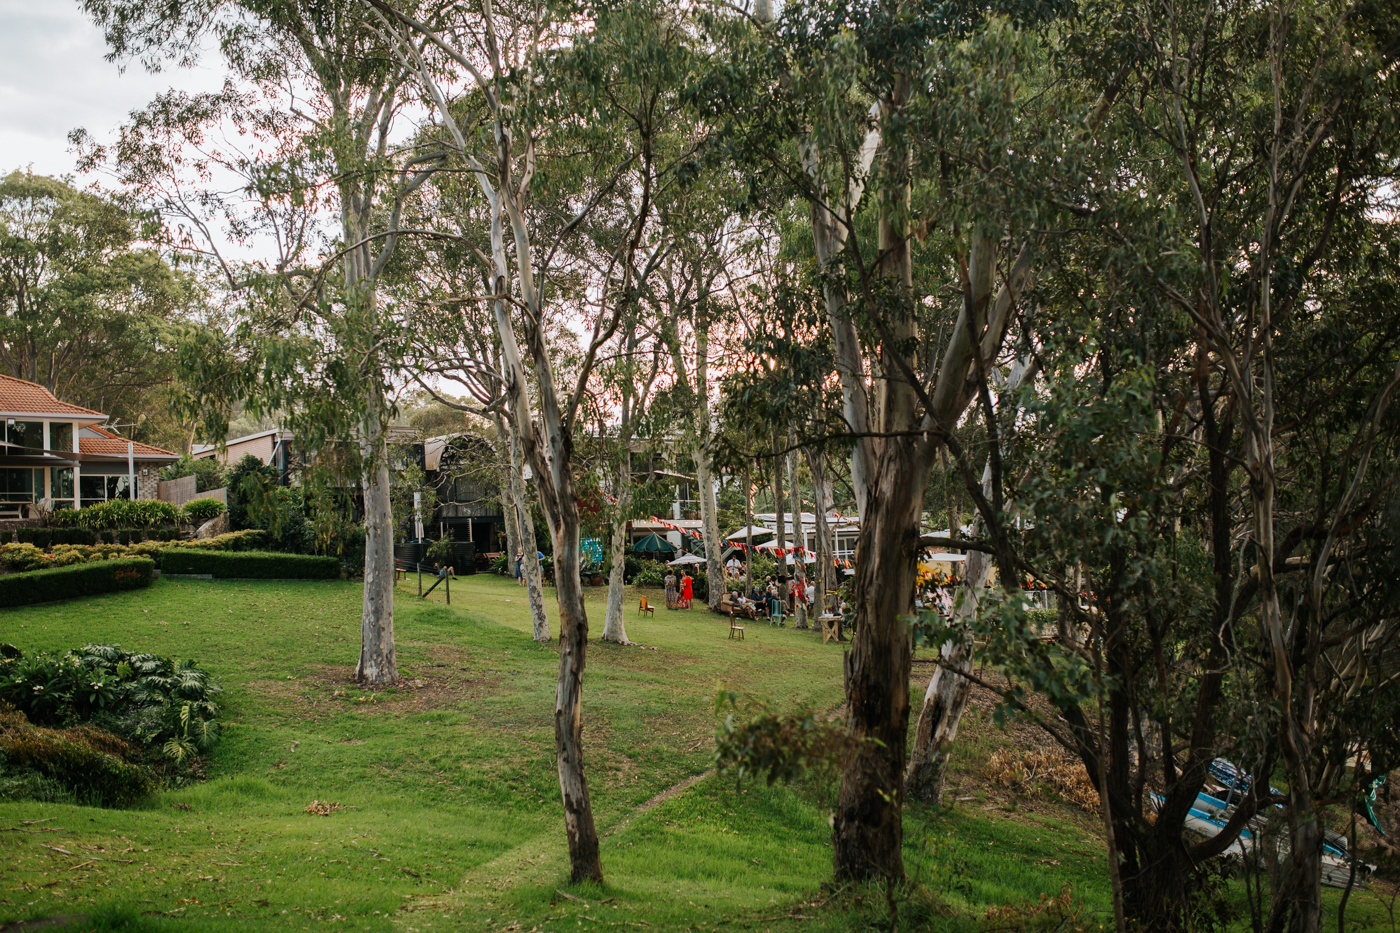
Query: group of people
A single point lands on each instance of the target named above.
(778, 596)
(679, 594)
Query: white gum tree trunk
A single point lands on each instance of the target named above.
(614, 623)
(525, 538)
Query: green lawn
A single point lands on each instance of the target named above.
(450, 813)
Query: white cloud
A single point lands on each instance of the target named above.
(53, 78)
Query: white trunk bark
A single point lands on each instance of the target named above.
(525, 525)
(377, 664)
(799, 541)
(614, 624)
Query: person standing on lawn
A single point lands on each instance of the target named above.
(520, 567)
(687, 592)
(670, 589)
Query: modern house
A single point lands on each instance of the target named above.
(271, 447)
(55, 455)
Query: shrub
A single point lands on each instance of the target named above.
(249, 539)
(199, 511)
(208, 472)
(649, 575)
(249, 565)
(100, 725)
(45, 538)
(128, 513)
(154, 702)
(90, 775)
(80, 579)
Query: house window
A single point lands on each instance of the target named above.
(18, 485)
(95, 489)
(61, 438)
(62, 480)
(27, 434)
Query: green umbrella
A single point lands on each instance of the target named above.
(654, 544)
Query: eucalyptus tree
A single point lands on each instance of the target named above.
(1271, 130)
(439, 275)
(1185, 447)
(314, 94)
(834, 111)
(546, 100)
(692, 295)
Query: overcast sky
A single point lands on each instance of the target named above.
(53, 78)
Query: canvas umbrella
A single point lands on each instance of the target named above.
(654, 544)
(686, 559)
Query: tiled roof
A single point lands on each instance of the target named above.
(109, 445)
(19, 396)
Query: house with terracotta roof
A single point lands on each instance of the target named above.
(55, 455)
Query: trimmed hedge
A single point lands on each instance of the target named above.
(90, 579)
(250, 565)
(45, 538)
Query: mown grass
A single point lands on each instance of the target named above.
(450, 814)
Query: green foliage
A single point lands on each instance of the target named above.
(81, 579)
(247, 482)
(440, 551)
(108, 723)
(83, 298)
(145, 699)
(128, 513)
(207, 471)
(52, 764)
(199, 511)
(45, 538)
(758, 741)
(256, 499)
(408, 481)
(651, 574)
(250, 565)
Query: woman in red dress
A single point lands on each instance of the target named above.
(686, 593)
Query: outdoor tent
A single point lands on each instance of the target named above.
(758, 532)
(654, 544)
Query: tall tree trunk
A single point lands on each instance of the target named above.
(377, 664)
(614, 624)
(868, 830)
(709, 509)
(946, 698)
(525, 524)
(510, 519)
(779, 506)
(584, 857)
(816, 462)
(799, 539)
(748, 534)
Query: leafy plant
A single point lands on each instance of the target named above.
(649, 575)
(147, 700)
(440, 551)
(208, 472)
(199, 511)
(128, 513)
